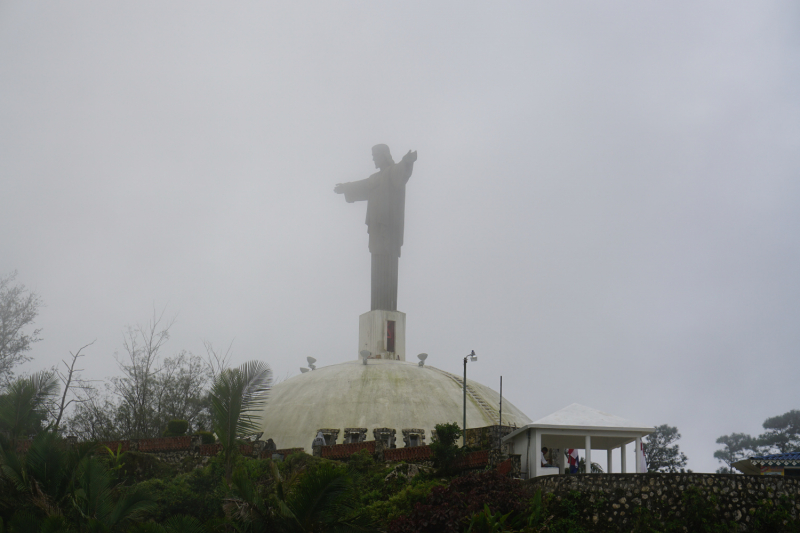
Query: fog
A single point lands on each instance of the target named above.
(604, 205)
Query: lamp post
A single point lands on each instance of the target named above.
(472, 357)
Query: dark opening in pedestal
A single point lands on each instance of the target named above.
(390, 336)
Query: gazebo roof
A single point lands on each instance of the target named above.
(567, 428)
(579, 416)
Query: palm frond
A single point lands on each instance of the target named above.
(236, 395)
(24, 403)
(56, 524)
(93, 496)
(318, 491)
(48, 464)
(129, 507)
(183, 524)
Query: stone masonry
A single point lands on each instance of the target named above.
(614, 496)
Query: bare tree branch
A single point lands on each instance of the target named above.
(67, 381)
(217, 362)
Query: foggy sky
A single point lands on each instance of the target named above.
(604, 206)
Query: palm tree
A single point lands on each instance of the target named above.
(321, 499)
(43, 476)
(74, 490)
(236, 396)
(94, 498)
(23, 407)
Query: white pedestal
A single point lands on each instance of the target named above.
(374, 332)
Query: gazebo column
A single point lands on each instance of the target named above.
(608, 460)
(624, 459)
(537, 453)
(588, 453)
(638, 453)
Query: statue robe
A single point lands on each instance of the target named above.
(385, 194)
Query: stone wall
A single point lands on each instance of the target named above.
(487, 437)
(612, 498)
(473, 460)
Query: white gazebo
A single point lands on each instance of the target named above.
(579, 427)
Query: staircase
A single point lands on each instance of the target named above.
(489, 411)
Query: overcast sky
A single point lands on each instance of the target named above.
(604, 208)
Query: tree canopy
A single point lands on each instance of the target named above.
(661, 454)
(18, 310)
(781, 435)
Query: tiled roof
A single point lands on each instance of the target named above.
(777, 458)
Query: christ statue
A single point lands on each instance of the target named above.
(385, 193)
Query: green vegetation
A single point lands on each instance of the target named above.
(51, 485)
(60, 487)
(444, 448)
(207, 436)
(236, 396)
(661, 451)
(781, 435)
(176, 428)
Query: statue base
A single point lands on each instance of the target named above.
(383, 334)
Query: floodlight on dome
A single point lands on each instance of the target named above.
(311, 362)
(303, 370)
(365, 355)
(422, 358)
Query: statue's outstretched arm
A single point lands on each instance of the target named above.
(355, 191)
(407, 163)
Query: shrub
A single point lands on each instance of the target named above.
(361, 461)
(384, 508)
(208, 437)
(444, 449)
(449, 509)
(199, 493)
(176, 428)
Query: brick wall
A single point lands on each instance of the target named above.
(410, 455)
(343, 451)
(165, 444)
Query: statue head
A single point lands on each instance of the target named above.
(381, 156)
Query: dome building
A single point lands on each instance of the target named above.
(353, 401)
(379, 397)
